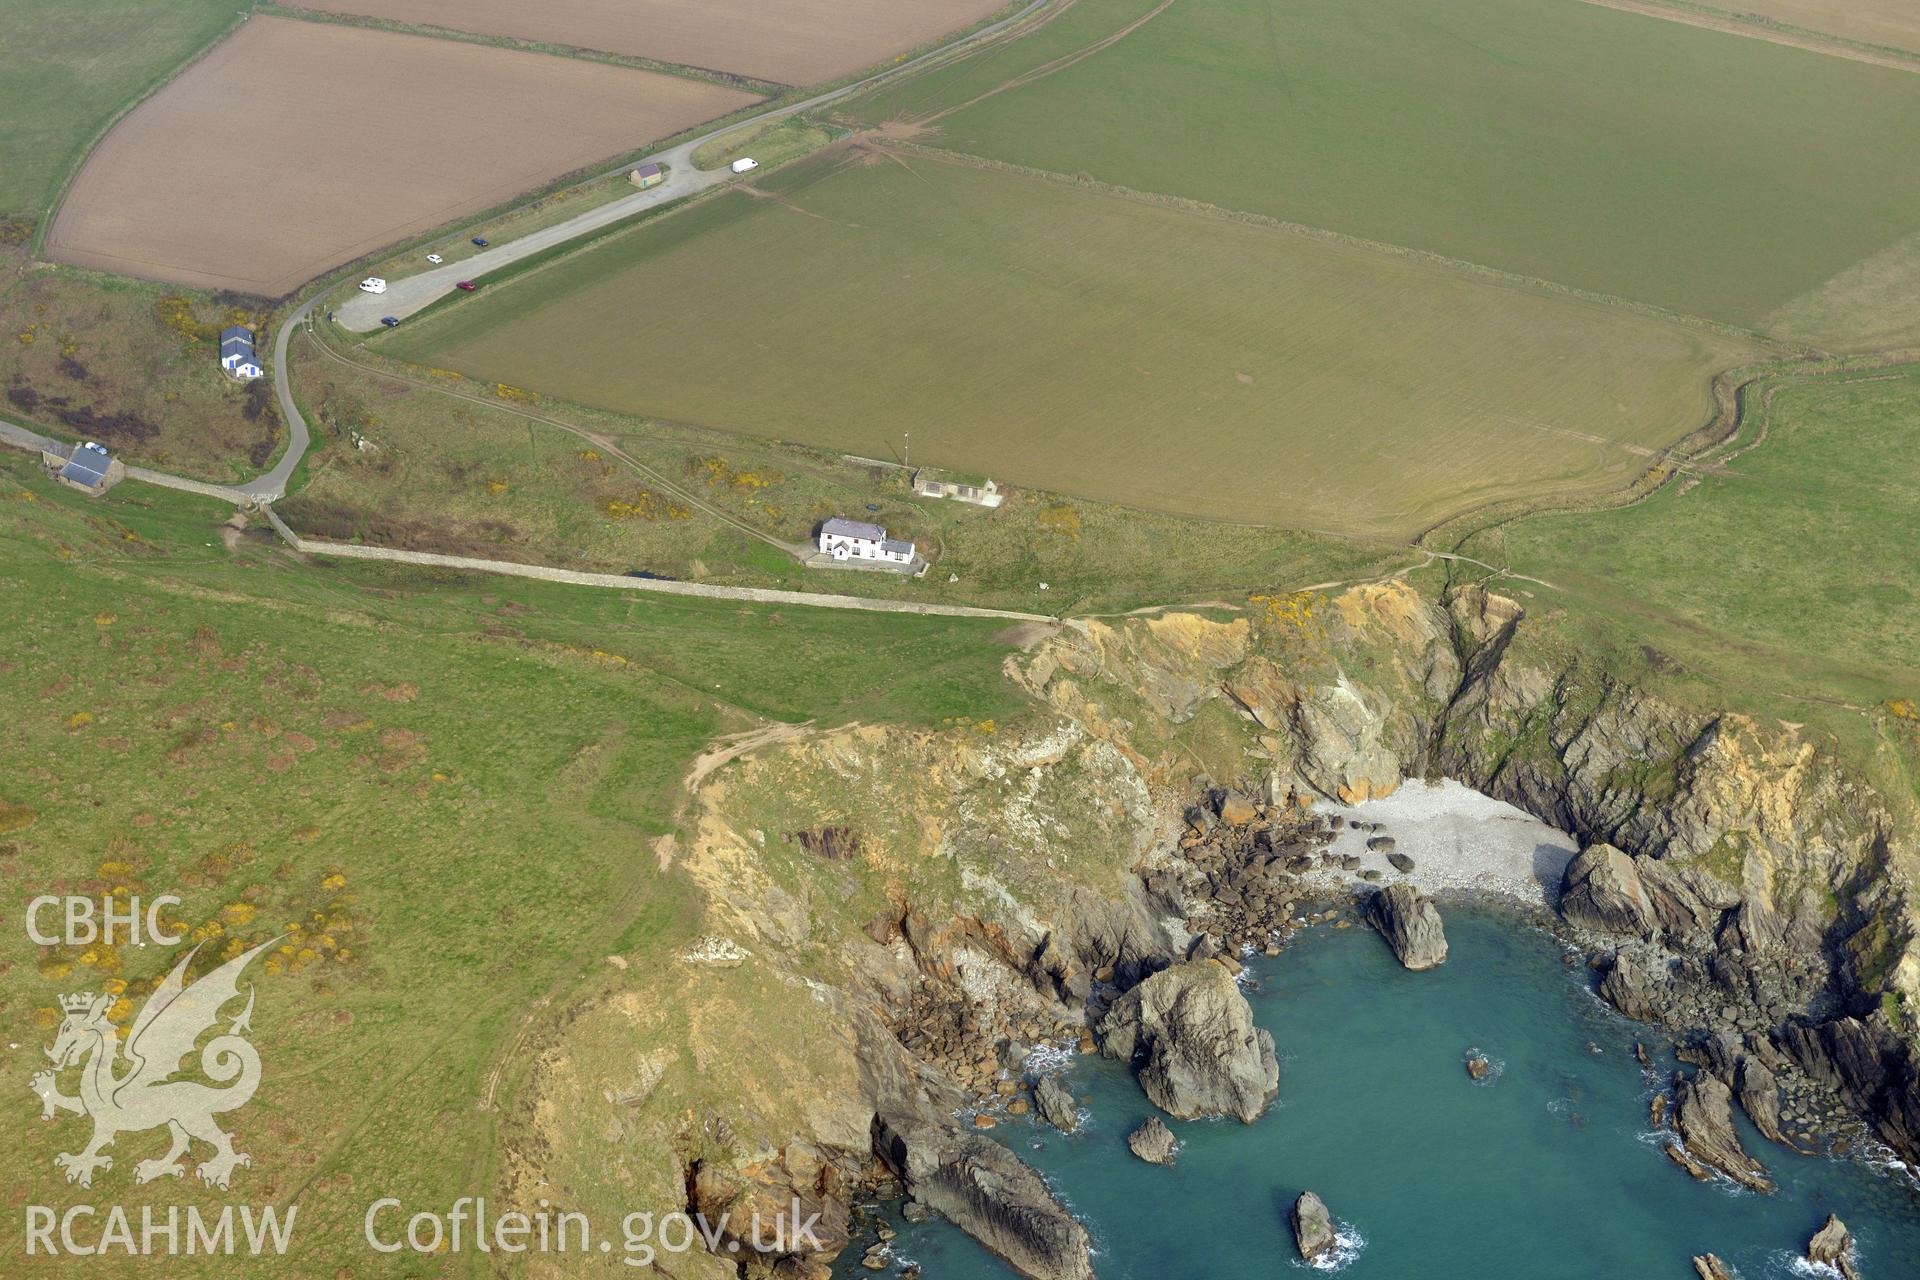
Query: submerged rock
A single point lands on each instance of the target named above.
(1312, 1226)
(1703, 1117)
(1055, 1104)
(1190, 1032)
(1153, 1142)
(1411, 925)
(1832, 1247)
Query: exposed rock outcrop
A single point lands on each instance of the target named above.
(1055, 1104)
(1313, 1233)
(1410, 923)
(1189, 1032)
(1709, 1267)
(988, 1192)
(1153, 1142)
(1832, 1247)
(1703, 1117)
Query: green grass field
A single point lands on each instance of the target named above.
(1599, 149)
(450, 784)
(1093, 345)
(1786, 576)
(445, 473)
(65, 69)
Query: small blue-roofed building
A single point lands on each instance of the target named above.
(236, 353)
(87, 467)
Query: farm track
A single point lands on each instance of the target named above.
(1760, 29)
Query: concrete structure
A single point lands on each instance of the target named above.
(647, 175)
(87, 467)
(857, 540)
(978, 490)
(236, 353)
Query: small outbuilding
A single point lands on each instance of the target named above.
(979, 490)
(647, 175)
(87, 467)
(236, 353)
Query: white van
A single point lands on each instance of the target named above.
(745, 164)
(373, 284)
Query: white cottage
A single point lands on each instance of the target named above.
(236, 353)
(858, 540)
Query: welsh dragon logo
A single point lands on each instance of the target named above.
(135, 1092)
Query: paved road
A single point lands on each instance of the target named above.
(273, 484)
(409, 294)
(21, 437)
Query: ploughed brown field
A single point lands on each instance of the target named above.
(786, 41)
(296, 146)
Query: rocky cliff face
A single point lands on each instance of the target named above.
(990, 886)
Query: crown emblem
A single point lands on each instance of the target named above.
(77, 1002)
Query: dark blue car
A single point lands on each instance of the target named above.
(481, 241)
(389, 321)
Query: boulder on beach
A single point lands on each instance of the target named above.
(1410, 923)
(1380, 844)
(1189, 1031)
(1055, 1104)
(1401, 862)
(1832, 1247)
(1312, 1226)
(1153, 1142)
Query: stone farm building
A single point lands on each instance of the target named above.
(858, 540)
(979, 490)
(647, 175)
(236, 353)
(87, 467)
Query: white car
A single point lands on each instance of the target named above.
(434, 258)
(746, 164)
(373, 284)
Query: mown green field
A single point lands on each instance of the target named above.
(1789, 574)
(66, 68)
(444, 790)
(1707, 173)
(1093, 345)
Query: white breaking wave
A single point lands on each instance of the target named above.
(1348, 1244)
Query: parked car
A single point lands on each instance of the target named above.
(435, 258)
(373, 284)
(481, 241)
(466, 286)
(389, 321)
(745, 164)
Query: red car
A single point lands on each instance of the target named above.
(466, 286)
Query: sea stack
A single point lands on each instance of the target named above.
(1312, 1226)
(1832, 1247)
(1410, 923)
(1153, 1142)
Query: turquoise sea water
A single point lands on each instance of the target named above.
(1547, 1171)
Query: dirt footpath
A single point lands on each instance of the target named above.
(296, 146)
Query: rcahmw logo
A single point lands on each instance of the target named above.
(137, 1088)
